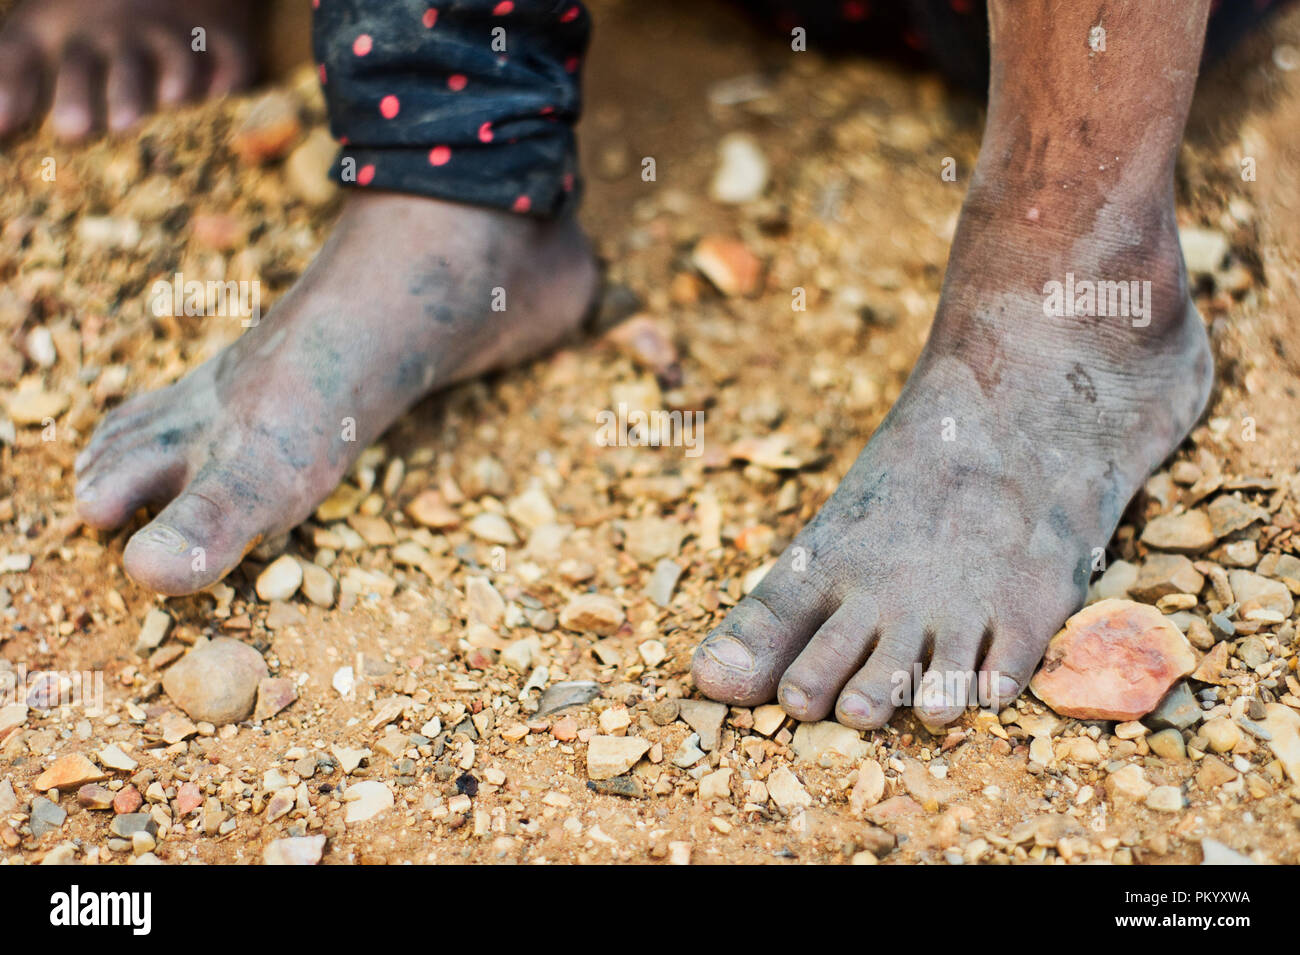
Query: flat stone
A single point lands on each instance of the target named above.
(319, 586)
(217, 683)
(366, 799)
(1165, 799)
(531, 509)
(128, 824)
(786, 790)
(153, 631)
(1178, 709)
(127, 801)
(112, 757)
(296, 850)
(12, 716)
(94, 796)
(1186, 533)
(609, 756)
(68, 772)
(826, 742)
(46, 816)
(742, 170)
(593, 613)
(1213, 772)
(663, 582)
(649, 539)
(280, 579)
(1214, 852)
(1283, 724)
(768, 719)
(1113, 660)
(273, 695)
(705, 717)
(492, 528)
(869, 788)
(188, 798)
(1222, 734)
(1213, 667)
(1257, 592)
(1168, 744)
(715, 785)
(689, 752)
(561, 696)
(1162, 574)
(728, 264)
(1115, 581)
(1128, 783)
(484, 605)
(430, 509)
(1230, 514)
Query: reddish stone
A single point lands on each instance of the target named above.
(565, 729)
(1113, 660)
(188, 798)
(128, 800)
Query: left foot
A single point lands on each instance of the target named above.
(964, 534)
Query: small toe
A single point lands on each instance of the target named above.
(741, 662)
(77, 106)
(1014, 653)
(127, 94)
(887, 681)
(21, 79)
(109, 496)
(176, 69)
(837, 650)
(949, 684)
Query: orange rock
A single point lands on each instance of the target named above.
(1213, 665)
(269, 129)
(430, 509)
(728, 264)
(1113, 660)
(69, 771)
(565, 729)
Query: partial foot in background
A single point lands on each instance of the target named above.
(96, 64)
(399, 302)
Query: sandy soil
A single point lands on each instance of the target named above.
(857, 215)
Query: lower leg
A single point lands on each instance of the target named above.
(962, 536)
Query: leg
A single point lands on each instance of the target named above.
(399, 301)
(107, 62)
(961, 537)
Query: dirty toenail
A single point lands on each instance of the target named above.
(793, 698)
(163, 536)
(730, 652)
(85, 491)
(81, 461)
(854, 704)
(1007, 689)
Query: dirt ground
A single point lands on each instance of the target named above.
(453, 623)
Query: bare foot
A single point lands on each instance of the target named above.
(964, 534)
(400, 301)
(97, 63)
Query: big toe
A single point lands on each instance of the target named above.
(197, 539)
(741, 662)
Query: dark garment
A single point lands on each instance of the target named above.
(469, 100)
(475, 100)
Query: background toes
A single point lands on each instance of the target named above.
(128, 97)
(78, 93)
(21, 79)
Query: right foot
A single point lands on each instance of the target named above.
(408, 295)
(97, 63)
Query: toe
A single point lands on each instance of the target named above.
(741, 661)
(200, 536)
(174, 64)
(77, 107)
(1014, 652)
(887, 681)
(949, 683)
(134, 416)
(234, 67)
(20, 83)
(837, 651)
(127, 87)
(108, 496)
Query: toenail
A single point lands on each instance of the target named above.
(793, 698)
(164, 536)
(1008, 689)
(854, 704)
(85, 491)
(82, 459)
(730, 652)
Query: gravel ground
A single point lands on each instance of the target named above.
(479, 648)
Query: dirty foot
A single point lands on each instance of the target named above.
(97, 63)
(400, 301)
(965, 533)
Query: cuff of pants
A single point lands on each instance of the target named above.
(464, 100)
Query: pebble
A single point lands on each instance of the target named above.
(366, 799)
(492, 528)
(1178, 709)
(593, 613)
(649, 539)
(273, 695)
(561, 696)
(68, 772)
(1283, 725)
(768, 719)
(786, 790)
(520, 654)
(1204, 250)
(615, 721)
(652, 653)
(728, 264)
(1213, 665)
(430, 509)
(280, 579)
(715, 785)
(742, 172)
(306, 171)
(112, 757)
(343, 681)
(609, 756)
(689, 752)
(12, 716)
(296, 850)
(1128, 783)
(1186, 533)
(1213, 772)
(869, 788)
(1113, 660)
(826, 742)
(648, 342)
(128, 824)
(663, 711)
(1165, 799)
(1167, 744)
(663, 582)
(1162, 574)
(1115, 581)
(30, 405)
(319, 585)
(1221, 733)
(127, 801)
(1230, 514)
(1214, 852)
(1257, 592)
(705, 717)
(268, 129)
(153, 631)
(94, 796)
(532, 509)
(46, 817)
(217, 683)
